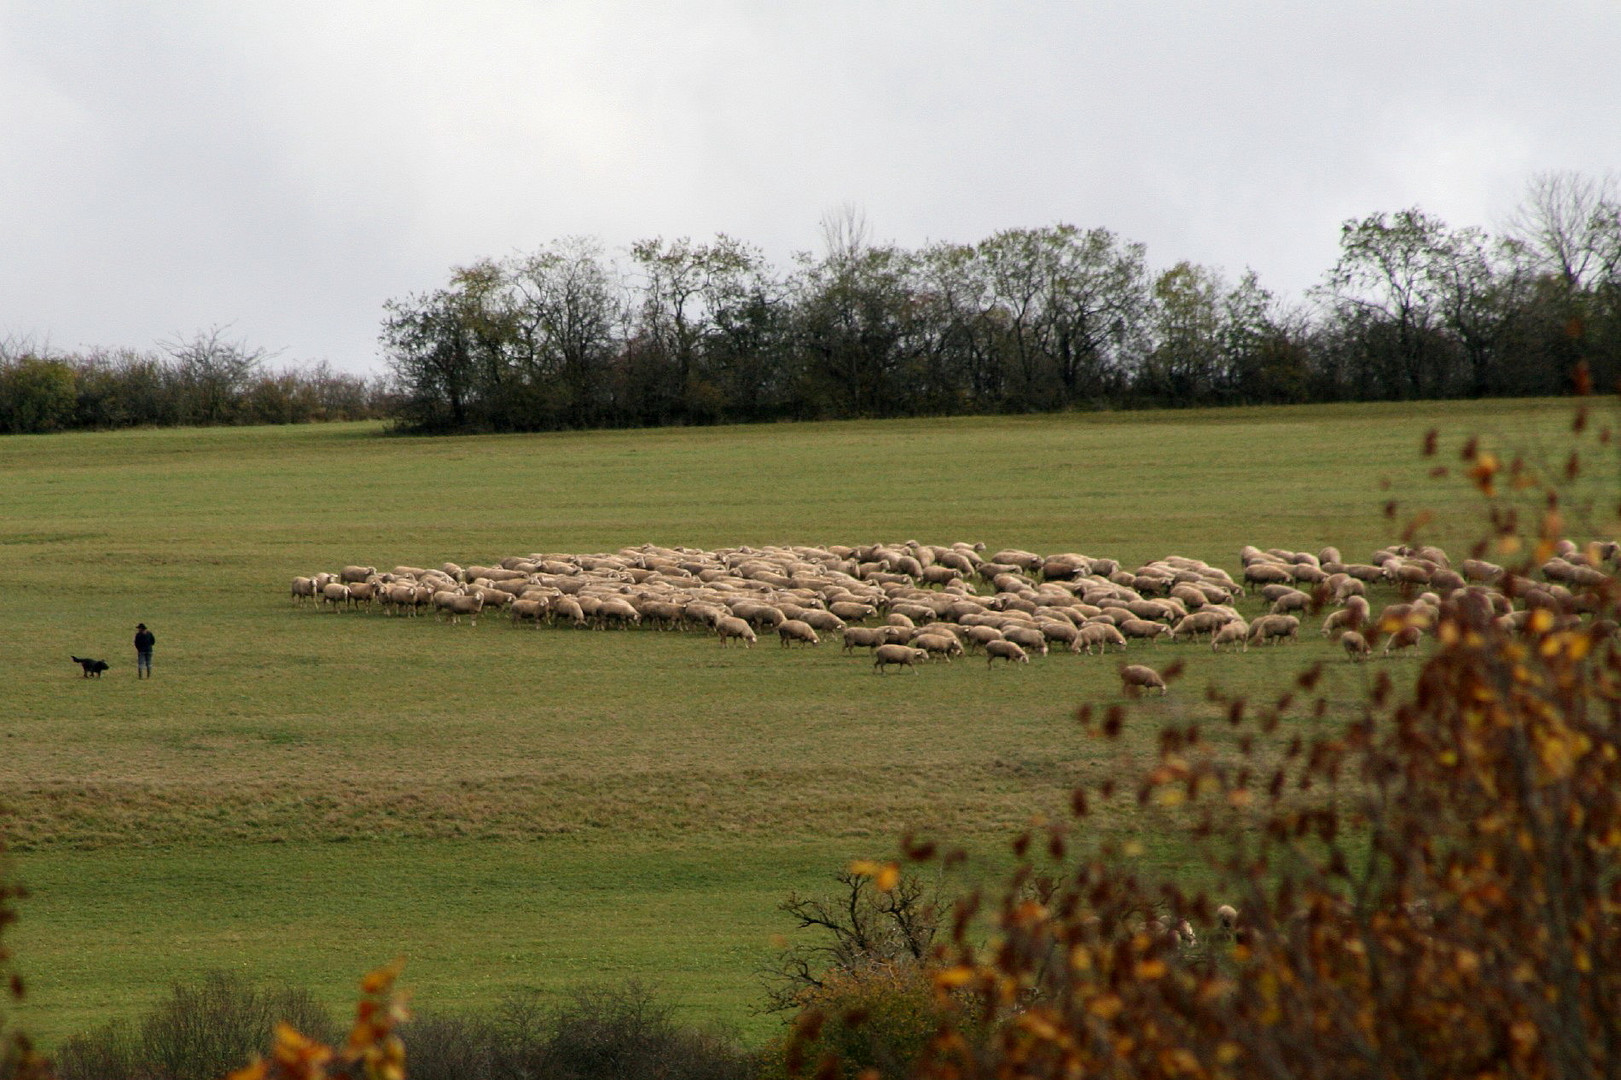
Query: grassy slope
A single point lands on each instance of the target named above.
(301, 795)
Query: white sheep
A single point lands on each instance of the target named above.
(791, 630)
(1356, 646)
(1006, 650)
(1135, 677)
(730, 626)
(1236, 633)
(945, 645)
(904, 655)
(1407, 637)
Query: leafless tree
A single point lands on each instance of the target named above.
(1570, 225)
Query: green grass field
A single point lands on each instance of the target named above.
(300, 796)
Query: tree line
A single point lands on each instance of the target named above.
(1026, 320)
(204, 379)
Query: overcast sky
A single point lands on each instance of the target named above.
(287, 167)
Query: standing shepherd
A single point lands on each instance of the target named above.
(144, 640)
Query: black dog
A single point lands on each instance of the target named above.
(91, 667)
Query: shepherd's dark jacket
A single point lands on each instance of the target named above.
(144, 641)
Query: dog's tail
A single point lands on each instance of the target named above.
(77, 660)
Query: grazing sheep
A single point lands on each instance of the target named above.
(945, 644)
(566, 607)
(532, 610)
(1028, 638)
(456, 605)
(1063, 633)
(1348, 618)
(1192, 596)
(852, 611)
(862, 637)
(913, 613)
(618, 611)
(663, 614)
(1271, 628)
(1355, 645)
(362, 592)
(396, 598)
(790, 630)
(351, 574)
(335, 594)
(1135, 677)
(1100, 634)
(825, 621)
(904, 655)
(1142, 628)
(1480, 570)
(1407, 637)
(303, 589)
(982, 635)
(1346, 588)
(730, 626)
(1267, 573)
(1236, 633)
(761, 616)
(1293, 601)
(1205, 621)
(1007, 650)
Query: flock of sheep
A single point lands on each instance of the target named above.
(913, 602)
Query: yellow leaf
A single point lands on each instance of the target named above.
(1149, 970)
(379, 981)
(1039, 1026)
(954, 977)
(1029, 913)
(1228, 1052)
(1105, 1006)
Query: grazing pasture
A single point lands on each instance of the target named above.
(299, 794)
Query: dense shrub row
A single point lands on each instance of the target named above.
(205, 1030)
(204, 380)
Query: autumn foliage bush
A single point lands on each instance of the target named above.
(880, 1016)
(1429, 890)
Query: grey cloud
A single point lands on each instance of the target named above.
(287, 167)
